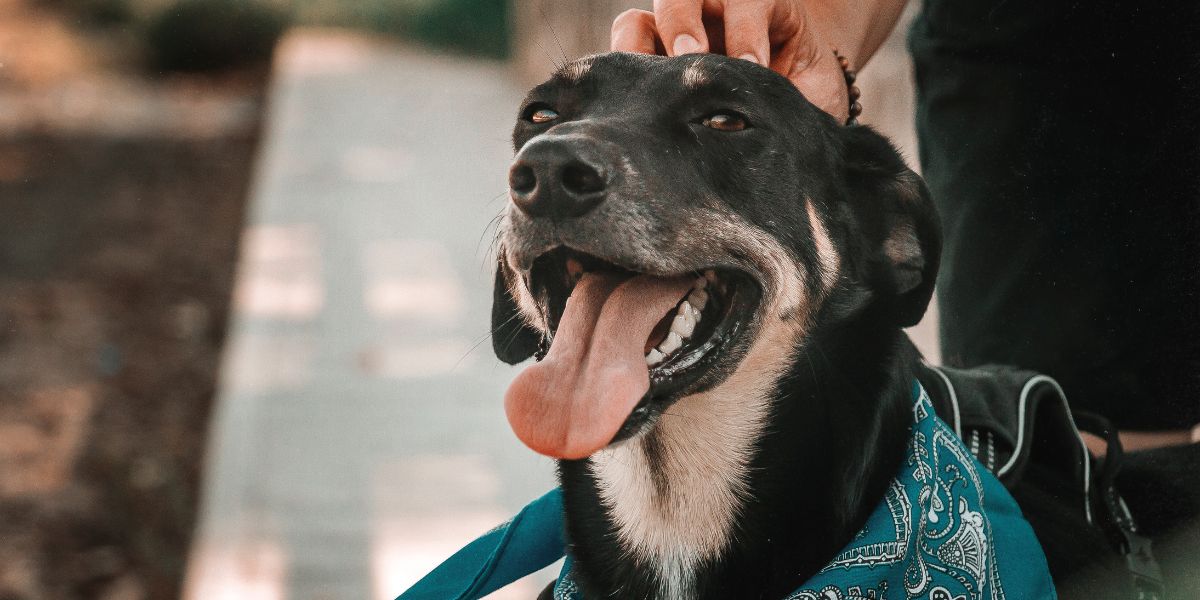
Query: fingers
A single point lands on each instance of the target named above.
(773, 33)
(680, 26)
(633, 31)
(821, 81)
(808, 61)
(747, 24)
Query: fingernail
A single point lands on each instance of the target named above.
(685, 44)
(750, 57)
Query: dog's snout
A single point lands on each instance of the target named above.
(521, 179)
(581, 179)
(557, 179)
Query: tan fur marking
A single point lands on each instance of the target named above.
(526, 305)
(827, 256)
(694, 75)
(704, 442)
(784, 275)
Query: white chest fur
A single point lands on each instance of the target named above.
(677, 509)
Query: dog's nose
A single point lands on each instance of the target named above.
(556, 179)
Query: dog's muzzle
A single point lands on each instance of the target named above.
(559, 178)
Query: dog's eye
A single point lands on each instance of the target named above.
(540, 114)
(725, 121)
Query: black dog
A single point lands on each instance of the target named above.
(775, 407)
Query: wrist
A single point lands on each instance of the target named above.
(855, 29)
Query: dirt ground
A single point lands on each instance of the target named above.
(121, 199)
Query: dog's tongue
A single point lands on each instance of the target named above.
(574, 401)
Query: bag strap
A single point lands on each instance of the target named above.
(1114, 516)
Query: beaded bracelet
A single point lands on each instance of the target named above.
(852, 90)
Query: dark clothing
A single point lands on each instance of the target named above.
(1061, 143)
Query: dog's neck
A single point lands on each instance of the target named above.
(717, 502)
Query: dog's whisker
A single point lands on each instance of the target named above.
(556, 65)
(512, 338)
(498, 196)
(493, 226)
(553, 34)
(481, 340)
(473, 348)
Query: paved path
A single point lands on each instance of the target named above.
(360, 435)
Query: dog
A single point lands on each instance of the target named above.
(715, 276)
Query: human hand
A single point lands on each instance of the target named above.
(779, 34)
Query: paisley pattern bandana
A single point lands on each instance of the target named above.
(945, 530)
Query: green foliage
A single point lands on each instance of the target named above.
(105, 12)
(473, 26)
(477, 27)
(199, 35)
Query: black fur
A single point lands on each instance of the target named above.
(839, 415)
(513, 340)
(802, 511)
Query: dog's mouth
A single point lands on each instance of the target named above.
(624, 346)
(706, 315)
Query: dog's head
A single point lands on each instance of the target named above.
(675, 221)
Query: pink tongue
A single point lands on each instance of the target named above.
(574, 401)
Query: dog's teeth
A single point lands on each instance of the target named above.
(671, 344)
(653, 357)
(686, 309)
(683, 324)
(700, 283)
(698, 298)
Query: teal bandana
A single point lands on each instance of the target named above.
(935, 536)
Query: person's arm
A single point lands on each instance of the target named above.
(857, 29)
(793, 37)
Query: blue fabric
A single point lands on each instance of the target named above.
(532, 540)
(945, 530)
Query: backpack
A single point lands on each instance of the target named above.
(1019, 426)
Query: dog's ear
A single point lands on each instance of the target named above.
(898, 224)
(513, 339)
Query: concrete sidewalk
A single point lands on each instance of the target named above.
(360, 436)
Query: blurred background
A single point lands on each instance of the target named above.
(244, 287)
